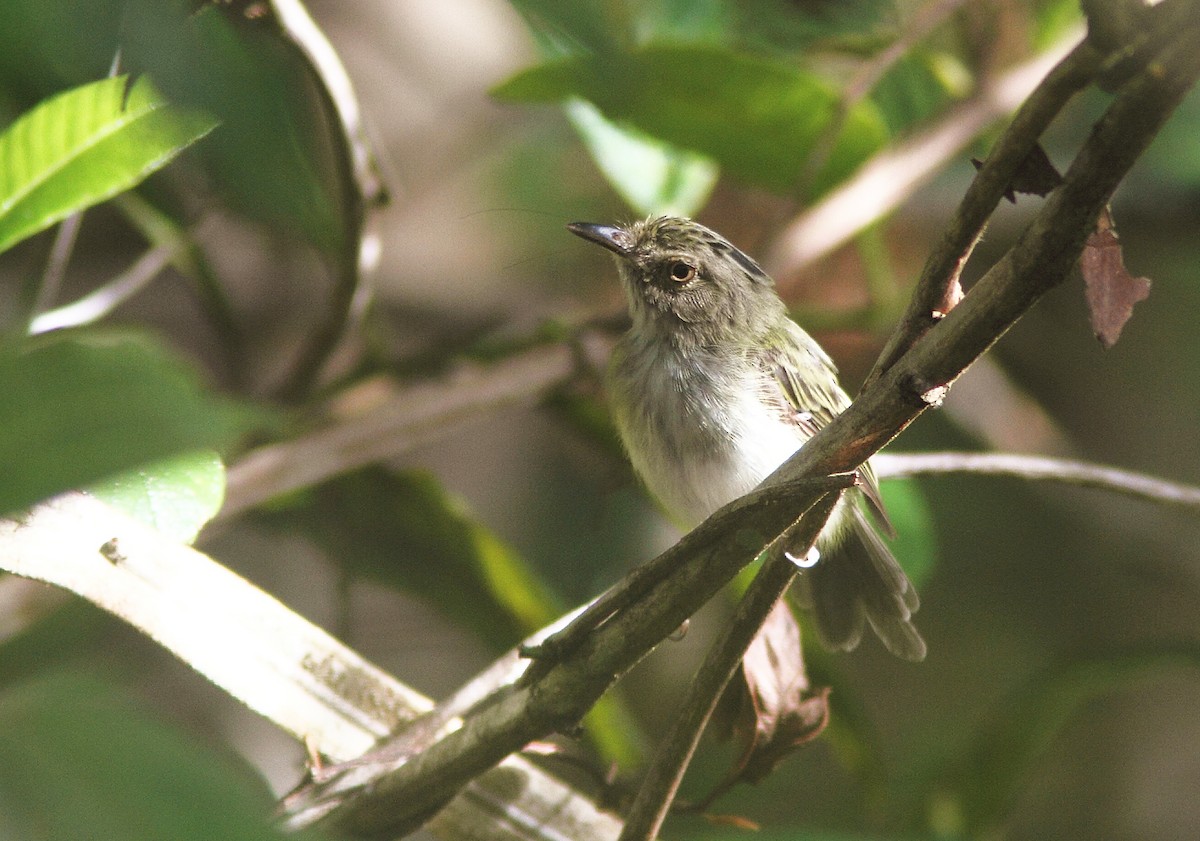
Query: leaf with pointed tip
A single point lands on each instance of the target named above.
(85, 146)
(653, 177)
(760, 119)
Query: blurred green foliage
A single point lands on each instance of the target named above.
(1037, 606)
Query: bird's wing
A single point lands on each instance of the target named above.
(811, 402)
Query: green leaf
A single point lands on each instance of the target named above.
(1053, 20)
(177, 496)
(915, 544)
(759, 119)
(49, 45)
(85, 146)
(1026, 722)
(405, 530)
(81, 762)
(653, 177)
(82, 406)
(409, 533)
(573, 26)
(788, 26)
(912, 90)
(275, 158)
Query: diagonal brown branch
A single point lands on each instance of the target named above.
(885, 181)
(1040, 259)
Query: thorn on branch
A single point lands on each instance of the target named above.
(1035, 175)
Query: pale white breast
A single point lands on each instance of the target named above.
(698, 435)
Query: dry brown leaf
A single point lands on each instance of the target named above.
(1111, 289)
(783, 713)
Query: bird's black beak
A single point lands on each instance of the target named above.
(614, 239)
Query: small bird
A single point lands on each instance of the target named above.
(714, 386)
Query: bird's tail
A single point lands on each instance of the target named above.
(859, 578)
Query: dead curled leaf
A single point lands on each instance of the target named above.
(777, 711)
(1110, 289)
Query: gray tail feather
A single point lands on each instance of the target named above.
(861, 579)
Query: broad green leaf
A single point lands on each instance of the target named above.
(47, 46)
(177, 496)
(563, 27)
(915, 544)
(85, 146)
(407, 532)
(653, 177)
(914, 89)
(275, 158)
(81, 762)
(759, 119)
(80, 407)
(1002, 759)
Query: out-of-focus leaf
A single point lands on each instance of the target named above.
(580, 27)
(782, 26)
(49, 45)
(81, 762)
(789, 26)
(759, 119)
(915, 544)
(85, 146)
(1111, 289)
(653, 177)
(272, 158)
(564, 27)
(176, 496)
(1053, 19)
(1026, 722)
(911, 91)
(406, 531)
(80, 407)
(685, 21)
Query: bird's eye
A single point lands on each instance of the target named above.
(682, 272)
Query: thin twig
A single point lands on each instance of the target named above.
(100, 302)
(361, 191)
(661, 782)
(397, 424)
(56, 264)
(1040, 469)
(922, 22)
(887, 180)
(938, 290)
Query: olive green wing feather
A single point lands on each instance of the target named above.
(811, 401)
